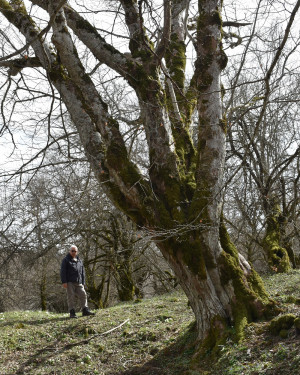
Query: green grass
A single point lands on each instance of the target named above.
(152, 337)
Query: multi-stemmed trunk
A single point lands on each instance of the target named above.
(179, 201)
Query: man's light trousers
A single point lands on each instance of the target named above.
(76, 290)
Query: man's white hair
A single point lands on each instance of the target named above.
(73, 247)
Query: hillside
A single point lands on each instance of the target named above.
(150, 337)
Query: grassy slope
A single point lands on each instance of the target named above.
(154, 341)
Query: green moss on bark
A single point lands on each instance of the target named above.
(278, 257)
(125, 286)
(83, 24)
(18, 15)
(251, 301)
(215, 338)
(176, 60)
(195, 254)
(19, 5)
(194, 258)
(198, 209)
(58, 72)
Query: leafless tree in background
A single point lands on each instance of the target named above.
(264, 139)
(63, 207)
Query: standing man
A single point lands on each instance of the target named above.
(73, 278)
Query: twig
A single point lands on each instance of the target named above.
(111, 330)
(85, 341)
(96, 335)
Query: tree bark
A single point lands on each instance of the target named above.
(278, 256)
(43, 293)
(222, 288)
(179, 200)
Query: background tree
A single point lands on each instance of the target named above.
(264, 138)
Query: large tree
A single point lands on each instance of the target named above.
(177, 195)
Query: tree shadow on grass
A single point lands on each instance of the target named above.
(174, 360)
(52, 350)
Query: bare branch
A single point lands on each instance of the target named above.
(235, 24)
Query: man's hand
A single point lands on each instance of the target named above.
(65, 285)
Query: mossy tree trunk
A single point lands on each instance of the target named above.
(178, 199)
(97, 289)
(118, 244)
(278, 256)
(121, 239)
(222, 288)
(125, 285)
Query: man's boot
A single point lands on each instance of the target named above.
(87, 312)
(73, 314)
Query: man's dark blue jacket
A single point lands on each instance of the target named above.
(72, 271)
